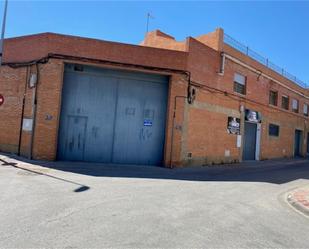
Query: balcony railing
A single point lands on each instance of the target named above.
(263, 60)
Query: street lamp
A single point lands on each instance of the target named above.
(3, 30)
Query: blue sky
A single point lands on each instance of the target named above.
(278, 30)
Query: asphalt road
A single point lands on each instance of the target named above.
(78, 205)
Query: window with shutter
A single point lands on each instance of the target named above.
(239, 83)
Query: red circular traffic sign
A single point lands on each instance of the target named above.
(1, 99)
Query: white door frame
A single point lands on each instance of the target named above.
(258, 141)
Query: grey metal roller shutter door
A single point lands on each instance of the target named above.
(112, 116)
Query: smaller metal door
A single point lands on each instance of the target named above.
(297, 143)
(75, 139)
(249, 141)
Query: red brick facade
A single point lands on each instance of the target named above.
(205, 138)
(200, 128)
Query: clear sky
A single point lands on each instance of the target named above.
(278, 30)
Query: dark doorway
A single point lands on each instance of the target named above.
(297, 143)
(249, 141)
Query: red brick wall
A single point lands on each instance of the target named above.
(37, 46)
(205, 138)
(50, 85)
(200, 130)
(160, 40)
(12, 84)
(213, 39)
(177, 90)
(49, 103)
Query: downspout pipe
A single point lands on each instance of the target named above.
(190, 98)
(173, 127)
(222, 66)
(22, 112)
(34, 111)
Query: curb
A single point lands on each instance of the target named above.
(299, 199)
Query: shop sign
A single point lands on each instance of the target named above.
(253, 116)
(233, 125)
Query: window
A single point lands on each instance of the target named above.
(239, 83)
(295, 105)
(306, 113)
(273, 98)
(285, 102)
(273, 130)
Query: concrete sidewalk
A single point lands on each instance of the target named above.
(88, 205)
(299, 199)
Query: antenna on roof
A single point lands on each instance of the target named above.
(149, 15)
(3, 30)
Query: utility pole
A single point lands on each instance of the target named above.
(3, 30)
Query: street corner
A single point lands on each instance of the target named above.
(299, 199)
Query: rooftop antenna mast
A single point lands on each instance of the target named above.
(3, 30)
(148, 18)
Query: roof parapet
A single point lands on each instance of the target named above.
(231, 42)
(213, 39)
(162, 34)
(160, 39)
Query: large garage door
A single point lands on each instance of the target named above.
(112, 116)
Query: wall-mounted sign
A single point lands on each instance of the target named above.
(48, 117)
(233, 125)
(253, 116)
(147, 123)
(27, 124)
(238, 142)
(1, 99)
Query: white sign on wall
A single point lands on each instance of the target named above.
(238, 141)
(27, 124)
(227, 153)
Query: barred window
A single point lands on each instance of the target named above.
(239, 83)
(273, 98)
(285, 102)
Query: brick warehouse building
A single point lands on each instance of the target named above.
(201, 101)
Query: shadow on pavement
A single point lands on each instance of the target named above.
(272, 171)
(80, 187)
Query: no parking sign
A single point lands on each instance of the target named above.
(1, 99)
